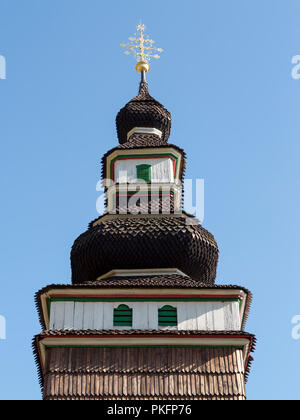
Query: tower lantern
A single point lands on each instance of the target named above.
(143, 317)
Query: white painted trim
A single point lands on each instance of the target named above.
(147, 341)
(142, 272)
(144, 187)
(144, 130)
(45, 310)
(136, 216)
(140, 291)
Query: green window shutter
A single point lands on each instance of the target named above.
(167, 316)
(123, 316)
(143, 172)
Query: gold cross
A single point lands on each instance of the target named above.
(142, 48)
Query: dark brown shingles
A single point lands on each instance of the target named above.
(143, 111)
(139, 242)
(153, 333)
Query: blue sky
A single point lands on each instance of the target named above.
(225, 76)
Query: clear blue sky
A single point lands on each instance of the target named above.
(225, 76)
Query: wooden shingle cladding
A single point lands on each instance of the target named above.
(143, 111)
(143, 243)
(153, 199)
(202, 342)
(144, 373)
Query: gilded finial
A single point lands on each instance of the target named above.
(142, 48)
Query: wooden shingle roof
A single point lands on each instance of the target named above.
(143, 111)
(151, 242)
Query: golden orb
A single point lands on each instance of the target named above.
(142, 66)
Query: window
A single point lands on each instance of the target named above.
(167, 316)
(144, 172)
(123, 316)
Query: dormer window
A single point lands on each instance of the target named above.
(143, 172)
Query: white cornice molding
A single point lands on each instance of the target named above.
(144, 130)
(142, 272)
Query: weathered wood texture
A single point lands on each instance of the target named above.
(144, 373)
(204, 316)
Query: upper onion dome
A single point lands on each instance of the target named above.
(143, 111)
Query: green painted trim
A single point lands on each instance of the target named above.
(122, 316)
(48, 303)
(143, 171)
(133, 299)
(146, 346)
(167, 316)
(171, 318)
(123, 313)
(240, 304)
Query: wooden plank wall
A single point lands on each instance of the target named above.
(161, 170)
(204, 316)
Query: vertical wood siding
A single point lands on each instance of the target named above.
(161, 170)
(205, 316)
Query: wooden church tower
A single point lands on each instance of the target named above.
(143, 318)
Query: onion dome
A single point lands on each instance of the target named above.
(144, 243)
(143, 111)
